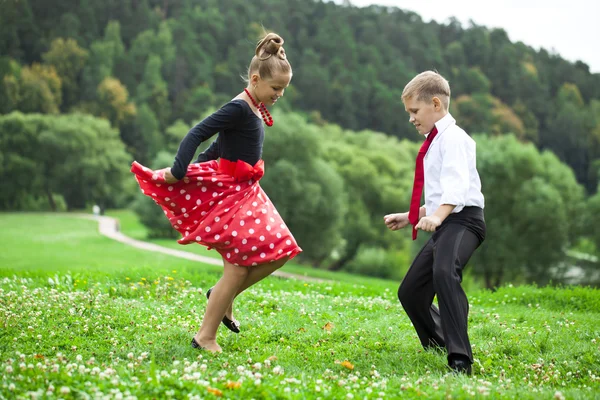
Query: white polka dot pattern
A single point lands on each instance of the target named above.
(192, 213)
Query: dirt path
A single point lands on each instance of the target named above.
(109, 227)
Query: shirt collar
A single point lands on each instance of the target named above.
(444, 123)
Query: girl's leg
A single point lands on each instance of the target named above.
(260, 272)
(255, 274)
(220, 300)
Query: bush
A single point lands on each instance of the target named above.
(380, 263)
(40, 203)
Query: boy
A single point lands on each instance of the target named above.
(446, 168)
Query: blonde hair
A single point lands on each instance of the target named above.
(427, 85)
(270, 58)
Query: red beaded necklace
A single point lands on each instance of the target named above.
(266, 115)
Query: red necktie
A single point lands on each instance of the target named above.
(415, 201)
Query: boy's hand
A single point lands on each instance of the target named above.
(396, 221)
(429, 224)
(169, 178)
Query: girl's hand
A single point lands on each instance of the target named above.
(169, 178)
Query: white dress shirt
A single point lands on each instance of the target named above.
(451, 175)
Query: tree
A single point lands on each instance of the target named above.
(590, 224)
(113, 103)
(524, 240)
(307, 192)
(68, 59)
(10, 71)
(153, 91)
(39, 90)
(568, 133)
(83, 160)
(104, 59)
(377, 172)
(191, 103)
(482, 112)
(19, 32)
(143, 139)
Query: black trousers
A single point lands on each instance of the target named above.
(437, 269)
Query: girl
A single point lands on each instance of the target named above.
(221, 204)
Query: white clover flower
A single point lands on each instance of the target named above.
(278, 370)
(65, 390)
(130, 356)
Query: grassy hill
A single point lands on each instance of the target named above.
(83, 316)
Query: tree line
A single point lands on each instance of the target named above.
(86, 87)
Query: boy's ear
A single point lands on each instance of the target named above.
(437, 103)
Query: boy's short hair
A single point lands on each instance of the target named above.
(427, 85)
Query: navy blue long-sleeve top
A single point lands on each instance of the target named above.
(241, 136)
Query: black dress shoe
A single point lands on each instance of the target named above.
(233, 326)
(461, 365)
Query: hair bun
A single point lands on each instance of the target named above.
(270, 45)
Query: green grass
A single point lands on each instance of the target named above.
(82, 316)
(131, 226)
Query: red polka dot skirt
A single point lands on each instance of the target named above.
(222, 206)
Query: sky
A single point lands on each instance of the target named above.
(569, 28)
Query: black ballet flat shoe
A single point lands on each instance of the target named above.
(233, 326)
(196, 345)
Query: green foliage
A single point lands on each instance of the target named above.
(591, 224)
(113, 103)
(351, 65)
(378, 262)
(144, 65)
(83, 160)
(525, 240)
(143, 139)
(483, 113)
(306, 190)
(68, 59)
(37, 89)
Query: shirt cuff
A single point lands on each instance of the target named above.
(455, 199)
